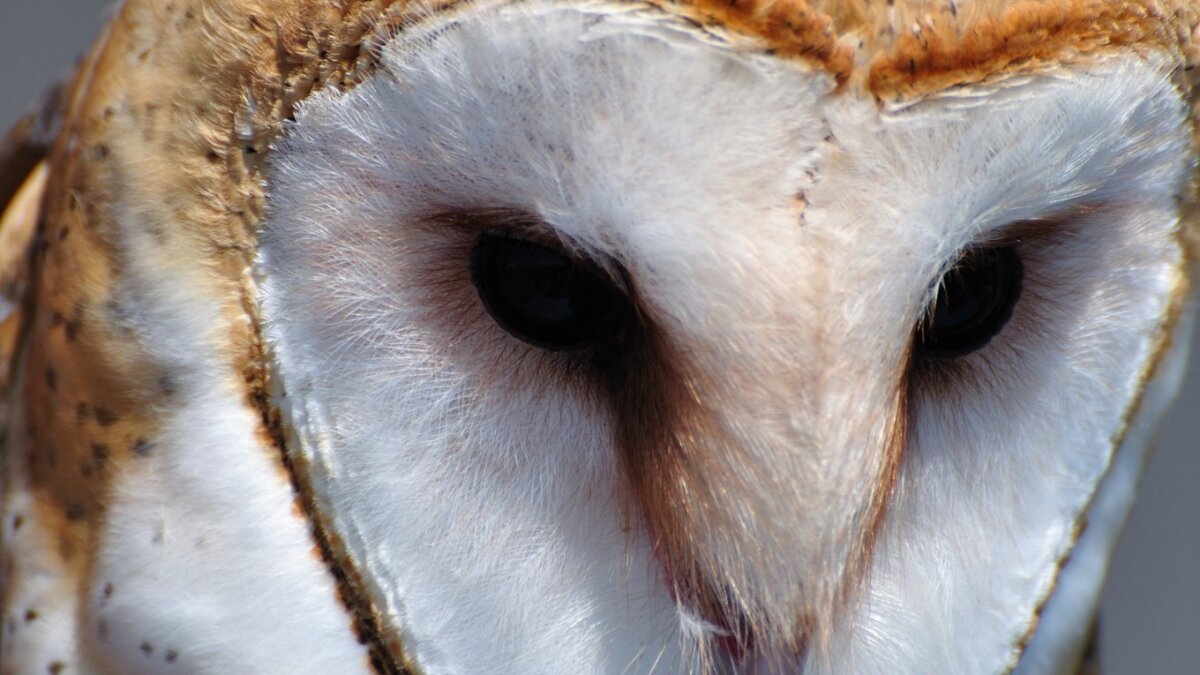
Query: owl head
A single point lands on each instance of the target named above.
(592, 337)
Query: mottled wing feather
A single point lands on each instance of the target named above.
(22, 182)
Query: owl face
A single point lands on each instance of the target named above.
(640, 337)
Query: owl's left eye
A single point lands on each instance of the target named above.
(975, 301)
(545, 297)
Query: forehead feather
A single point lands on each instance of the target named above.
(895, 48)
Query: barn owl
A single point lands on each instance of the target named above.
(603, 336)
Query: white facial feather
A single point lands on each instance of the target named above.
(789, 239)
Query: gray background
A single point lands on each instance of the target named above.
(1151, 620)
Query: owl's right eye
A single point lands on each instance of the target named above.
(545, 297)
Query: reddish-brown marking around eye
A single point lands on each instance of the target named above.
(664, 439)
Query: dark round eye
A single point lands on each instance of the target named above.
(544, 297)
(974, 302)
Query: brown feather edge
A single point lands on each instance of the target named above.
(349, 63)
(386, 652)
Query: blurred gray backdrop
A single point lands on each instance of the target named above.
(1151, 616)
